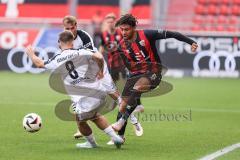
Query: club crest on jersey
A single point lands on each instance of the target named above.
(153, 77)
(142, 43)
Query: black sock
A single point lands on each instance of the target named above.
(122, 130)
(132, 104)
(139, 101)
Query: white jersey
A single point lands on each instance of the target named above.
(79, 72)
(74, 65)
(83, 40)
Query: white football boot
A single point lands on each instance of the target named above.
(86, 145)
(136, 125)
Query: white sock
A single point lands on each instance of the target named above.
(119, 100)
(139, 108)
(111, 133)
(91, 139)
(121, 121)
(133, 119)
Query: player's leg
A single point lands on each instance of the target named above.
(121, 132)
(134, 120)
(142, 85)
(78, 134)
(115, 77)
(102, 123)
(110, 87)
(87, 133)
(140, 107)
(127, 91)
(138, 129)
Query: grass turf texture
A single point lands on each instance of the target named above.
(214, 124)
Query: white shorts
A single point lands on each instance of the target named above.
(88, 107)
(92, 101)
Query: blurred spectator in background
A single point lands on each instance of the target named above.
(96, 24)
(110, 38)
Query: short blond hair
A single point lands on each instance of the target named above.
(69, 20)
(111, 15)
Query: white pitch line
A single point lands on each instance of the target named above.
(221, 152)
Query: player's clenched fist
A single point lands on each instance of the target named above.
(194, 47)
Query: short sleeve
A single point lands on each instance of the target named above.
(51, 64)
(87, 40)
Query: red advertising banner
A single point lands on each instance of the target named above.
(11, 38)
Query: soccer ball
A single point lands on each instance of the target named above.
(32, 122)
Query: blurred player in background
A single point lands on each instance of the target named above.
(110, 39)
(82, 68)
(82, 40)
(139, 53)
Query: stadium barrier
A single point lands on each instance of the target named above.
(217, 56)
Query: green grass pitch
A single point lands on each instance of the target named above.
(214, 122)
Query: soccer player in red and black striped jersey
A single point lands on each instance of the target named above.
(110, 39)
(139, 53)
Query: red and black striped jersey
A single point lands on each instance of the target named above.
(110, 43)
(141, 56)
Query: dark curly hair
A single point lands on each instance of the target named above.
(127, 19)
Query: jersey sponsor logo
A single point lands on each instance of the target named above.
(80, 79)
(59, 60)
(27, 65)
(87, 45)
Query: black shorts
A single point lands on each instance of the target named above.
(115, 74)
(154, 78)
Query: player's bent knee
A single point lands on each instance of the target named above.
(143, 88)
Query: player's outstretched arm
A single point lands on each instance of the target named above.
(36, 60)
(99, 59)
(181, 37)
(163, 34)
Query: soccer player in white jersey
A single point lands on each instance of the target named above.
(83, 40)
(82, 69)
